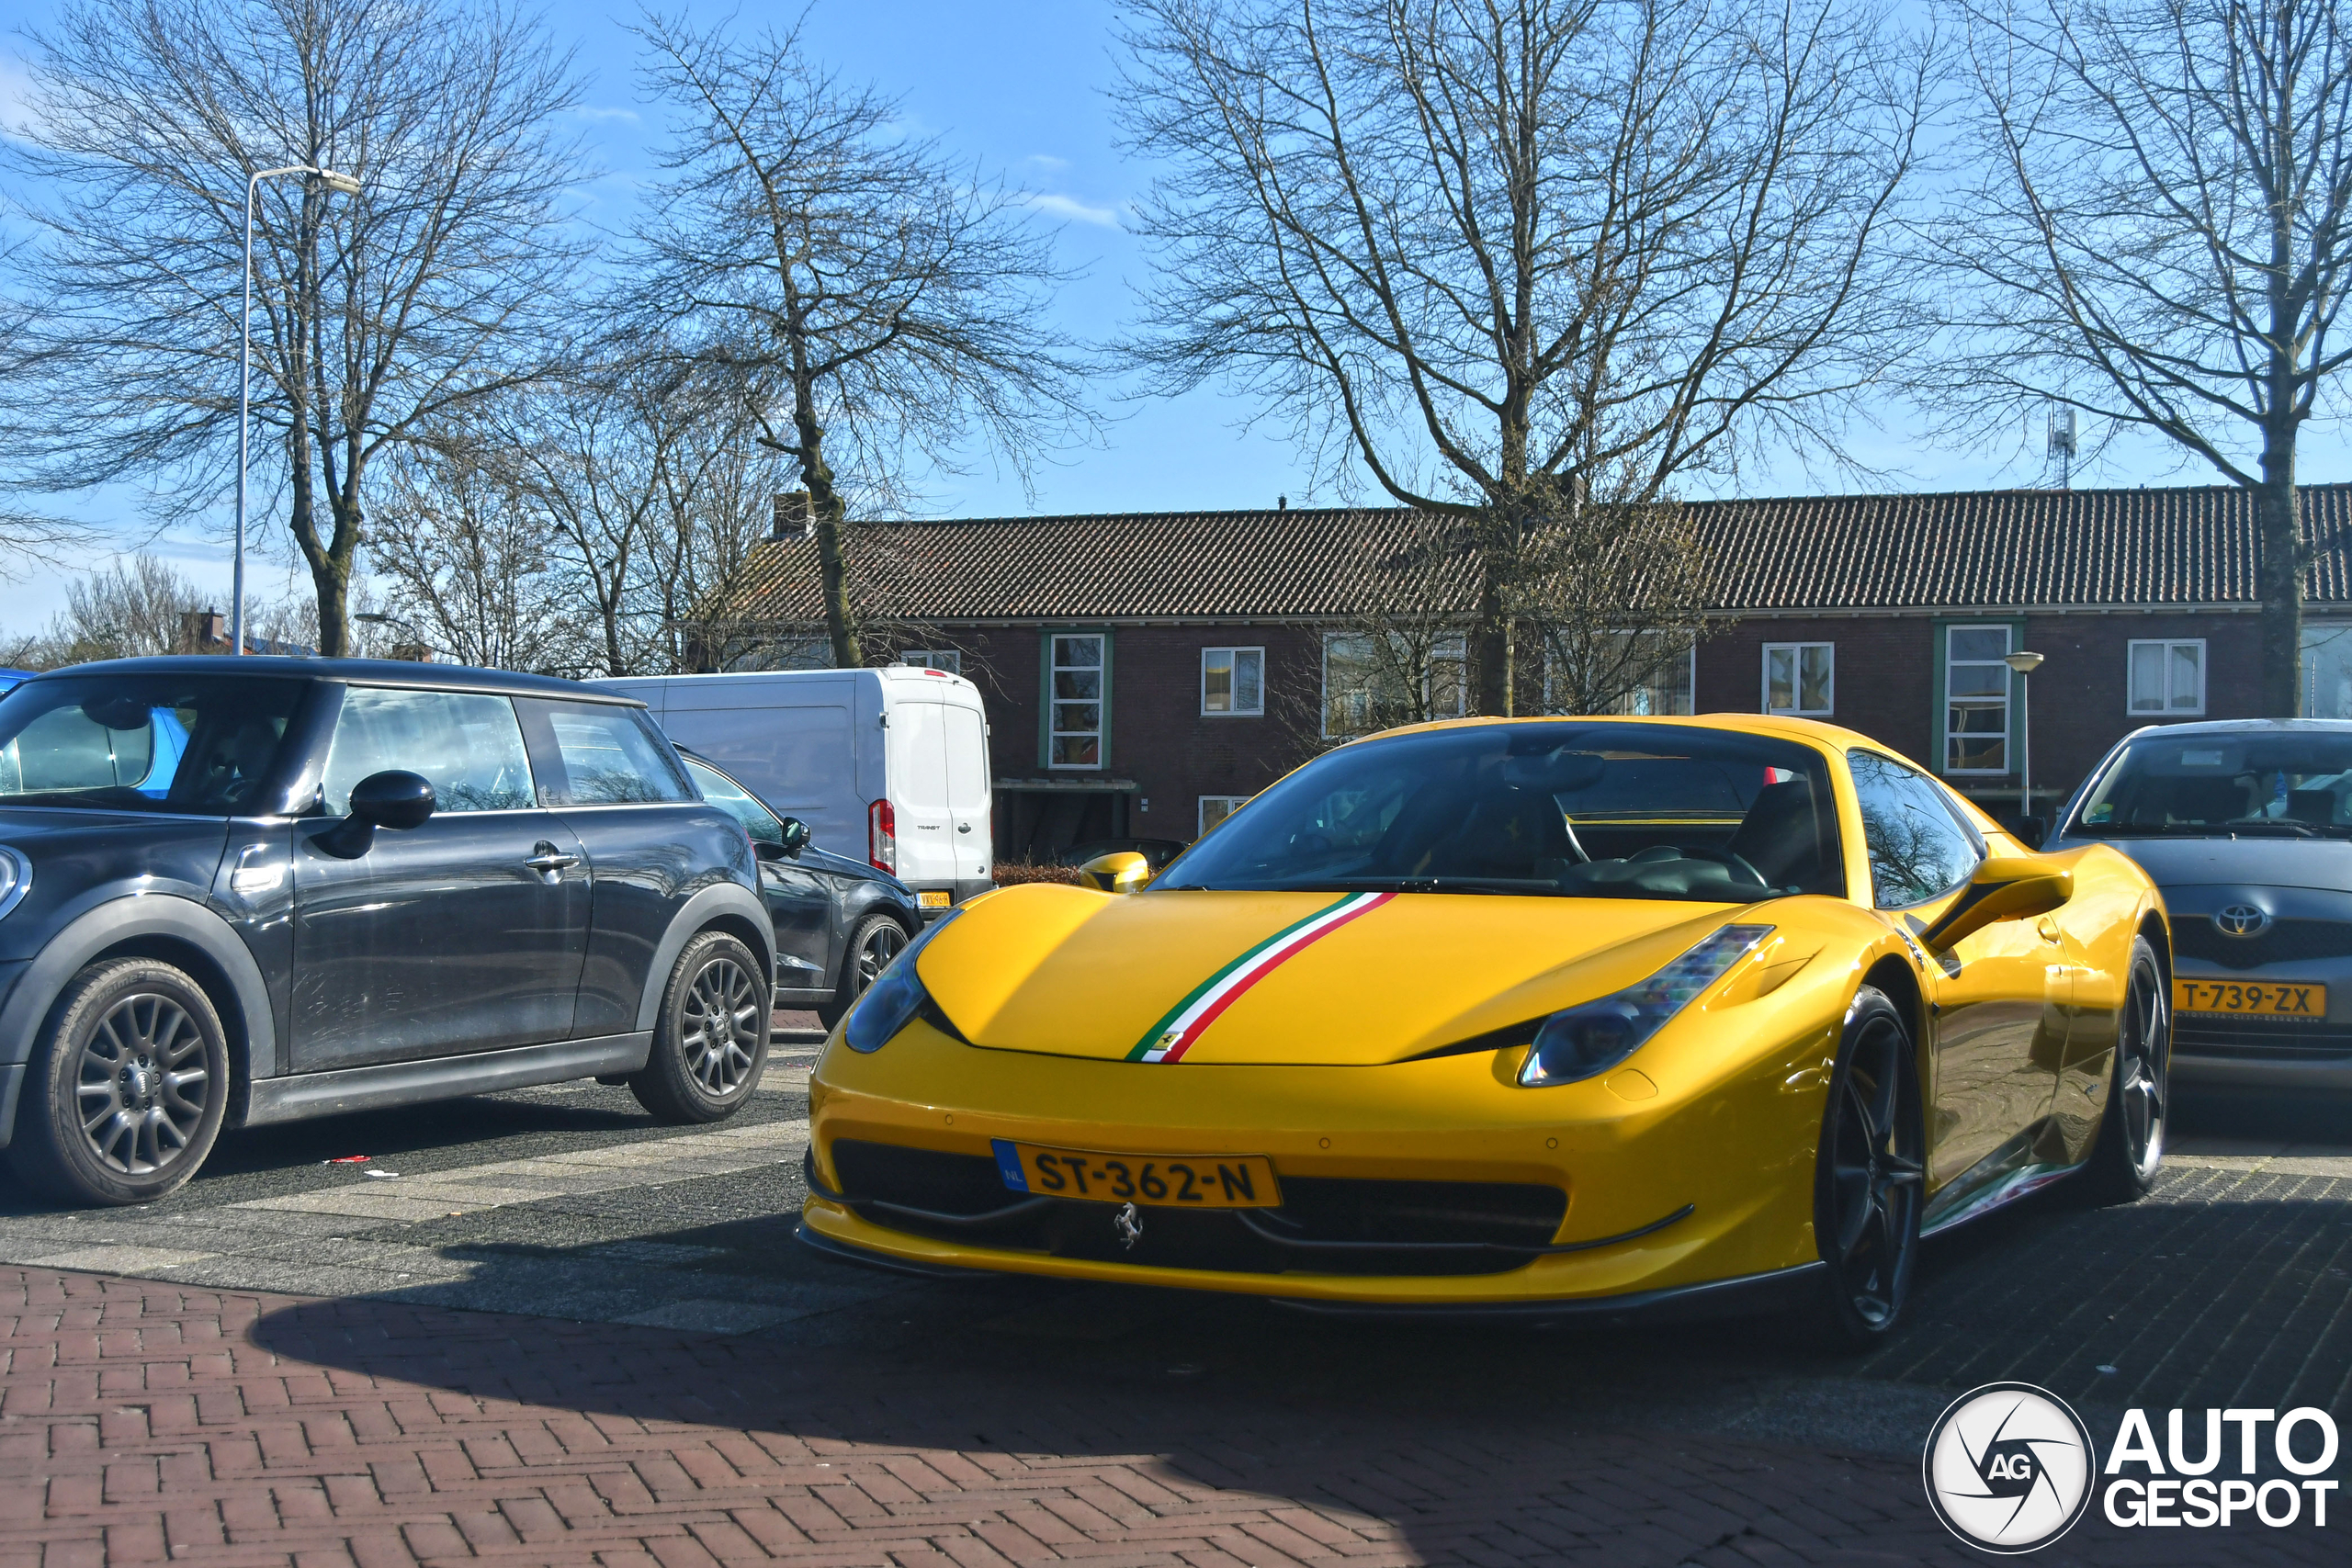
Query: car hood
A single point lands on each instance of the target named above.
(1284, 977)
(2264, 862)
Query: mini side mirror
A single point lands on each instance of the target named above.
(796, 836)
(1121, 871)
(2004, 888)
(394, 798)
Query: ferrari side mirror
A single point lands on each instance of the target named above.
(2004, 888)
(1123, 871)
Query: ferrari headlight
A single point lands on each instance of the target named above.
(1592, 1037)
(892, 1002)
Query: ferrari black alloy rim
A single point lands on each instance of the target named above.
(874, 954)
(2139, 1070)
(719, 1026)
(142, 1083)
(1876, 1176)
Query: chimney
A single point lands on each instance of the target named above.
(203, 631)
(792, 515)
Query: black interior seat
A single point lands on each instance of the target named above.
(1780, 837)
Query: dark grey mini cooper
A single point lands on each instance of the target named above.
(235, 892)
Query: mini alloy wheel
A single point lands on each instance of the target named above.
(711, 1039)
(129, 1088)
(1872, 1174)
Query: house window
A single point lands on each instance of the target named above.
(948, 659)
(1079, 703)
(2167, 677)
(1799, 677)
(1233, 680)
(1976, 699)
(1375, 681)
(1665, 688)
(1215, 808)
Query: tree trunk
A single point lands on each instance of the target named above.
(1491, 646)
(2279, 578)
(826, 510)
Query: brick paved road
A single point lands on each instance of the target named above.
(2229, 1286)
(140, 1421)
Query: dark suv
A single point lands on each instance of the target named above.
(243, 891)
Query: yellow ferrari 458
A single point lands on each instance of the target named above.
(1555, 1015)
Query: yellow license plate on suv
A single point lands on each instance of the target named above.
(933, 898)
(2264, 999)
(1174, 1181)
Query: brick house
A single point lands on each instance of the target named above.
(1200, 655)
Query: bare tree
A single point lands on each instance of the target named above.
(1497, 254)
(373, 315)
(1615, 596)
(458, 539)
(882, 304)
(2157, 232)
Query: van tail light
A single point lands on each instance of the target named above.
(882, 837)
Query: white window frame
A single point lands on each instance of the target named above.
(1232, 803)
(1796, 652)
(2163, 708)
(1232, 657)
(951, 659)
(2009, 689)
(1101, 730)
(1458, 641)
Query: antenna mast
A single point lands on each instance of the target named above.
(2062, 445)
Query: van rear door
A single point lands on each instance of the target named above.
(919, 800)
(967, 798)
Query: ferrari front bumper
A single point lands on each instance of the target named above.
(1695, 1172)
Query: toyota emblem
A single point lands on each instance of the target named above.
(2243, 919)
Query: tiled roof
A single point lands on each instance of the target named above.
(1965, 549)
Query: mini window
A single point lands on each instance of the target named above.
(1800, 678)
(1233, 680)
(2166, 678)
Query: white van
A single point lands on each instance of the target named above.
(888, 764)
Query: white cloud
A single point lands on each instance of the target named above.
(1049, 162)
(602, 112)
(1075, 211)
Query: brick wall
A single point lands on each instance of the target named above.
(1885, 688)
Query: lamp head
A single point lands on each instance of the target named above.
(347, 185)
(2023, 663)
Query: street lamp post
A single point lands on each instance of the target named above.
(2025, 664)
(333, 181)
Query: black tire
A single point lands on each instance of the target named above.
(2130, 1143)
(1869, 1178)
(123, 1097)
(878, 939)
(711, 1039)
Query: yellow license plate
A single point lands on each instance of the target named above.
(1178, 1182)
(935, 898)
(2268, 999)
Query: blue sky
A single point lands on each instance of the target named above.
(1025, 89)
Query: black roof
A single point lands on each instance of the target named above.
(363, 672)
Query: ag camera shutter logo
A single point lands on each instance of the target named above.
(2010, 1467)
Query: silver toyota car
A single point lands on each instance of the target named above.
(2246, 825)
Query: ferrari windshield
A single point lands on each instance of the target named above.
(2278, 782)
(1568, 808)
(195, 745)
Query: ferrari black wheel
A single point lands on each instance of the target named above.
(1870, 1176)
(2131, 1142)
(878, 939)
